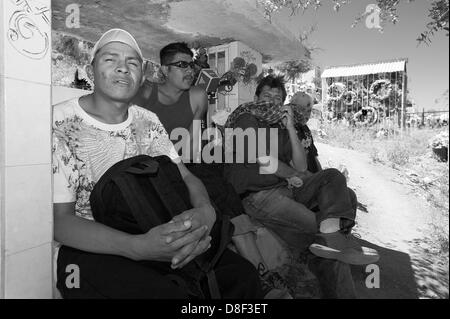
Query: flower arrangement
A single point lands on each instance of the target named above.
(381, 89)
(238, 63)
(336, 91)
(349, 97)
(366, 116)
(242, 70)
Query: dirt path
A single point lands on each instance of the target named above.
(396, 221)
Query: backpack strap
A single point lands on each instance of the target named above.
(173, 201)
(213, 285)
(136, 199)
(139, 208)
(225, 237)
(208, 268)
(145, 167)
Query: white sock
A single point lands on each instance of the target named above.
(330, 225)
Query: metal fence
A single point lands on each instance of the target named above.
(392, 123)
(430, 119)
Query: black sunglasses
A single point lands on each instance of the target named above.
(182, 64)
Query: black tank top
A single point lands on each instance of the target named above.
(178, 114)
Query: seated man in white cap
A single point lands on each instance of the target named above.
(91, 134)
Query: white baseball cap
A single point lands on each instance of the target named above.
(116, 35)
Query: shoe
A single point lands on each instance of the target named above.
(274, 286)
(344, 248)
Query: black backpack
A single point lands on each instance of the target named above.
(141, 192)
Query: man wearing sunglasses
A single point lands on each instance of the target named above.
(176, 101)
(179, 104)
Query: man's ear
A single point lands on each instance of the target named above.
(89, 68)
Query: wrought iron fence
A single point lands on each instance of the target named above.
(366, 99)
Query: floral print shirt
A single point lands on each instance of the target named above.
(84, 148)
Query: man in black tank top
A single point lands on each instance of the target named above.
(178, 104)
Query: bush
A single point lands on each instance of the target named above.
(409, 151)
(71, 47)
(396, 148)
(397, 154)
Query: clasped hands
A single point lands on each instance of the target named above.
(179, 241)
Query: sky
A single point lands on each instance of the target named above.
(428, 66)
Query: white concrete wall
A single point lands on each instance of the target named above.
(26, 217)
(2, 157)
(61, 94)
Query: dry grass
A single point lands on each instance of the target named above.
(392, 148)
(410, 153)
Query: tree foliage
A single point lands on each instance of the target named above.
(439, 20)
(438, 12)
(292, 69)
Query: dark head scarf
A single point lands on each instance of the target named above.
(266, 112)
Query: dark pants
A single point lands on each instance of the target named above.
(328, 191)
(109, 276)
(220, 191)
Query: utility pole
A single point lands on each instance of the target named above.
(404, 89)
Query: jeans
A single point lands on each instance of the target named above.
(328, 191)
(289, 212)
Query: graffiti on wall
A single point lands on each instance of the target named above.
(29, 28)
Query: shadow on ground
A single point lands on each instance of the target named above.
(396, 276)
(413, 274)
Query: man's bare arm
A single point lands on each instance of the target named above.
(90, 236)
(199, 104)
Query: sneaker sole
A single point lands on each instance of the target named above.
(368, 256)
